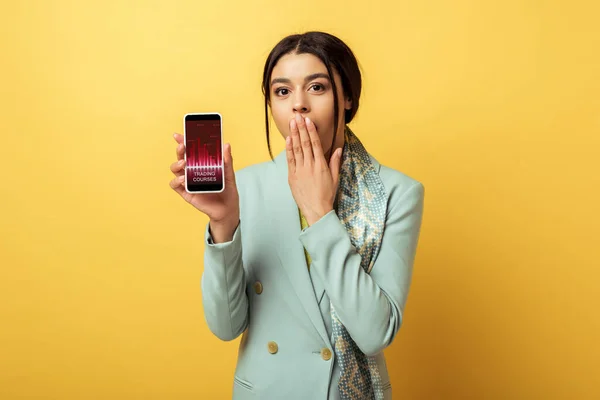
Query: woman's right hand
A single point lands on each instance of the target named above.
(222, 208)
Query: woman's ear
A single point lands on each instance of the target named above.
(348, 103)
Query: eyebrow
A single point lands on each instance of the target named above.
(308, 78)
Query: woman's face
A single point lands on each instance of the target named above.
(295, 89)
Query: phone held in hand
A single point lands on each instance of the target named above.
(203, 141)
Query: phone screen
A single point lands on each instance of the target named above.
(204, 153)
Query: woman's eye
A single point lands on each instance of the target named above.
(317, 85)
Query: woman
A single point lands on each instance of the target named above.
(309, 255)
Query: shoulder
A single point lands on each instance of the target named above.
(399, 186)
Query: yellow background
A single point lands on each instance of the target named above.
(494, 106)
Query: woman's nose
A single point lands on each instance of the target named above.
(301, 108)
(300, 104)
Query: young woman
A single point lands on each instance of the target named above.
(309, 255)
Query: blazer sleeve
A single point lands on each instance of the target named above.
(370, 306)
(223, 283)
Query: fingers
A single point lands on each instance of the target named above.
(228, 164)
(177, 183)
(334, 166)
(315, 140)
(305, 141)
(180, 147)
(289, 152)
(296, 146)
(180, 151)
(178, 167)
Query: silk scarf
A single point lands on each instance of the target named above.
(361, 207)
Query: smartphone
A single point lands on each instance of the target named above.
(203, 140)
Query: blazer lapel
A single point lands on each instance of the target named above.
(285, 224)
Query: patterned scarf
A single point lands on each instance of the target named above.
(361, 206)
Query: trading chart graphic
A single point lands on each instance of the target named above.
(204, 166)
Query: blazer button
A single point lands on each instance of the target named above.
(325, 353)
(272, 347)
(258, 288)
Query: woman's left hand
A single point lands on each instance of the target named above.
(313, 182)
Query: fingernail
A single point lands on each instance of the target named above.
(293, 123)
(307, 120)
(180, 162)
(181, 178)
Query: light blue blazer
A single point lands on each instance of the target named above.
(258, 284)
